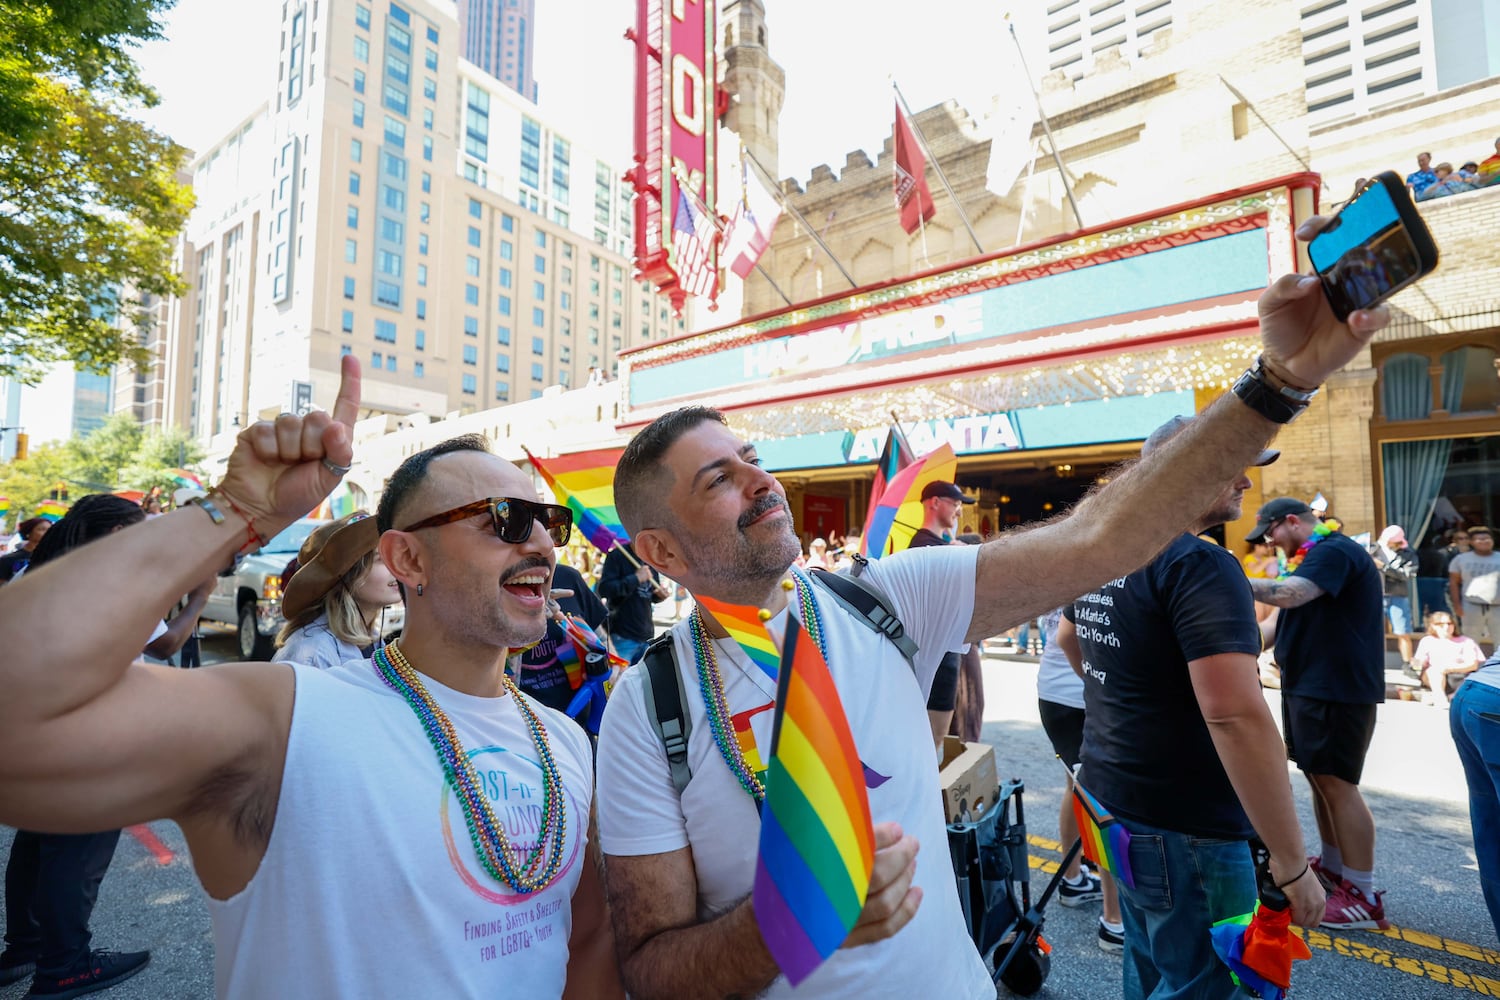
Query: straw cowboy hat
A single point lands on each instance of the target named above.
(327, 554)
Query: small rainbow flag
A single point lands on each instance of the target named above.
(1105, 841)
(895, 456)
(4, 506)
(185, 479)
(51, 510)
(745, 627)
(585, 482)
(817, 841)
(899, 514)
(582, 640)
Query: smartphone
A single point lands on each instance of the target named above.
(1375, 246)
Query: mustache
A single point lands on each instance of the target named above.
(763, 506)
(526, 566)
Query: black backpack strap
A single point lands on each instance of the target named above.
(661, 685)
(869, 604)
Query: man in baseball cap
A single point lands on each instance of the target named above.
(1273, 513)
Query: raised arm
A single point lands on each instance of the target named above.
(1123, 525)
(89, 741)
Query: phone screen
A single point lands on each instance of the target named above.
(1367, 253)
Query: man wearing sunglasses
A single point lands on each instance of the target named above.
(419, 783)
(699, 508)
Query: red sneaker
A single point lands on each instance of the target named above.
(1327, 881)
(1349, 910)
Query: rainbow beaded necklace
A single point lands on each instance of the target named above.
(491, 844)
(711, 682)
(1319, 534)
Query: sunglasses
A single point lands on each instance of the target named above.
(511, 518)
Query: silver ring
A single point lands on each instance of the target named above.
(337, 470)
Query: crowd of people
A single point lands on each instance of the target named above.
(1430, 181)
(507, 853)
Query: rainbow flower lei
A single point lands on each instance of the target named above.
(1321, 532)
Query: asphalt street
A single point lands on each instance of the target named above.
(1441, 945)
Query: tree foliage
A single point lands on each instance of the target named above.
(120, 455)
(90, 203)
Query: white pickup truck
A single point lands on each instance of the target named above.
(250, 597)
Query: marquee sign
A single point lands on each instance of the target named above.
(676, 123)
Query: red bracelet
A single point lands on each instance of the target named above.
(253, 540)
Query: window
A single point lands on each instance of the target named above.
(539, 316)
(476, 209)
(395, 99)
(475, 236)
(471, 294)
(539, 291)
(471, 326)
(351, 217)
(393, 165)
(359, 113)
(507, 250)
(567, 252)
(565, 300)
(353, 182)
(427, 148)
(508, 223)
(531, 153)
(356, 150)
(502, 390)
(421, 275)
(421, 340)
(394, 198)
(541, 240)
(361, 50)
(388, 293)
(424, 212)
(567, 274)
(429, 88)
(387, 262)
(565, 354)
(561, 158)
(471, 265)
(614, 296)
(385, 331)
(593, 263)
(471, 354)
(505, 278)
(400, 13)
(345, 349)
(359, 81)
(419, 370)
(351, 252)
(421, 310)
(502, 335)
(430, 59)
(397, 38)
(395, 132)
(505, 305)
(397, 70)
(426, 182)
(536, 371)
(346, 321)
(362, 16)
(477, 124)
(593, 335)
(392, 230)
(502, 362)
(539, 264)
(538, 346)
(377, 360)
(427, 119)
(422, 244)
(349, 288)
(470, 385)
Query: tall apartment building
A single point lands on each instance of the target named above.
(1360, 55)
(498, 38)
(396, 202)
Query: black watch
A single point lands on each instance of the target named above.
(1280, 406)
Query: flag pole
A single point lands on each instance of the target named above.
(911, 120)
(719, 227)
(1026, 192)
(1046, 125)
(617, 547)
(786, 203)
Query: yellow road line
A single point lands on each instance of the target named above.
(1461, 949)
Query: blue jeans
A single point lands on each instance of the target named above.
(630, 649)
(1474, 720)
(1398, 612)
(1183, 885)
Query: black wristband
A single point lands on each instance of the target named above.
(1280, 406)
(1305, 869)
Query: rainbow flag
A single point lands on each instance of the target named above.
(51, 510)
(1105, 842)
(896, 456)
(185, 479)
(582, 640)
(899, 514)
(585, 482)
(4, 506)
(746, 628)
(817, 841)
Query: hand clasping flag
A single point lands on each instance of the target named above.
(585, 482)
(817, 841)
(899, 513)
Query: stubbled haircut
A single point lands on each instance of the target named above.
(640, 477)
(409, 476)
(91, 518)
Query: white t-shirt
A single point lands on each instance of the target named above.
(1480, 576)
(315, 645)
(932, 590)
(370, 885)
(1055, 680)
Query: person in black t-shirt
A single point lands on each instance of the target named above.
(941, 505)
(542, 674)
(1179, 745)
(31, 531)
(630, 589)
(1330, 644)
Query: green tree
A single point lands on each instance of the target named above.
(157, 454)
(90, 204)
(97, 462)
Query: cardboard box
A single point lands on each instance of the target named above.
(968, 778)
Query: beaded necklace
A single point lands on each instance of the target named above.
(491, 844)
(1319, 534)
(711, 683)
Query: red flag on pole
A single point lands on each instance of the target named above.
(913, 197)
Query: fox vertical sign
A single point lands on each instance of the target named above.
(676, 122)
